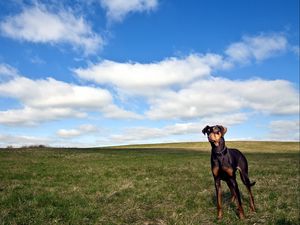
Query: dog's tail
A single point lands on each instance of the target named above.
(252, 184)
(245, 179)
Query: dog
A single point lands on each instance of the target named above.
(224, 164)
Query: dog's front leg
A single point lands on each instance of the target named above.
(219, 197)
(232, 191)
(237, 194)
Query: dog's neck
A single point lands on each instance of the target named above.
(220, 148)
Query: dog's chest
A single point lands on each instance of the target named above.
(222, 160)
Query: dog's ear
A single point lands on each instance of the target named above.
(223, 130)
(205, 130)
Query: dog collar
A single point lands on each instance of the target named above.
(221, 152)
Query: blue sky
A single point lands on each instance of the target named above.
(111, 72)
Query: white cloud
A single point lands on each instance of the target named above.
(81, 130)
(217, 96)
(39, 25)
(22, 140)
(49, 99)
(142, 134)
(114, 112)
(295, 49)
(285, 130)
(184, 88)
(226, 119)
(118, 9)
(147, 79)
(257, 48)
(7, 72)
(52, 93)
(29, 116)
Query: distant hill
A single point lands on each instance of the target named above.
(245, 146)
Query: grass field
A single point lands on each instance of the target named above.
(146, 184)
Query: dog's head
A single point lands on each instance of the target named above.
(214, 133)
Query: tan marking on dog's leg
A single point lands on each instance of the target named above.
(228, 170)
(215, 171)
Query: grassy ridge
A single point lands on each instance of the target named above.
(245, 146)
(158, 185)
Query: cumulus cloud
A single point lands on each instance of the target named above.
(52, 93)
(141, 134)
(21, 140)
(148, 78)
(81, 130)
(218, 96)
(257, 48)
(118, 9)
(185, 88)
(284, 130)
(49, 99)
(114, 112)
(29, 116)
(39, 25)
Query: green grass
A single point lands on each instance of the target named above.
(157, 184)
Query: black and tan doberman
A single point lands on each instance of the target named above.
(224, 164)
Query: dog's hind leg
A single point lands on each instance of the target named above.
(252, 206)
